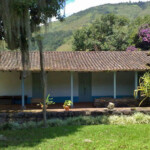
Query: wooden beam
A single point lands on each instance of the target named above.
(115, 85)
(71, 79)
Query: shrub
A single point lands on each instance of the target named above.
(10, 126)
(137, 118)
(6, 126)
(116, 119)
(81, 120)
(55, 122)
(141, 118)
(15, 125)
(30, 124)
(101, 120)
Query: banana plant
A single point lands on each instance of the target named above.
(144, 87)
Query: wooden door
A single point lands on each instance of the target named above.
(36, 86)
(85, 87)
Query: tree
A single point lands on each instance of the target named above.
(108, 33)
(18, 20)
(139, 32)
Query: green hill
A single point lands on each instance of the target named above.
(59, 34)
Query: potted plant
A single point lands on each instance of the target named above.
(49, 101)
(67, 104)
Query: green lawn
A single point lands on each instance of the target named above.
(98, 137)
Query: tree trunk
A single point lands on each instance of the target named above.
(24, 48)
(43, 79)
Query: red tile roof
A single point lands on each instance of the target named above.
(79, 61)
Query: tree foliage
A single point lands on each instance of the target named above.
(18, 19)
(110, 32)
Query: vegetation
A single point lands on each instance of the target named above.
(67, 103)
(137, 118)
(112, 32)
(91, 137)
(59, 34)
(18, 20)
(144, 87)
(108, 33)
(48, 101)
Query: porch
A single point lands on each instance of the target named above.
(82, 88)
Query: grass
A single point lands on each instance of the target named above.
(98, 137)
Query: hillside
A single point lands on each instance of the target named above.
(59, 34)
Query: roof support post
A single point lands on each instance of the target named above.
(136, 81)
(71, 79)
(22, 88)
(115, 85)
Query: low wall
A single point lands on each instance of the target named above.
(38, 116)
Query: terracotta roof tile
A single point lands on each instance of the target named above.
(79, 61)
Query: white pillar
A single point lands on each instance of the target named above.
(72, 87)
(115, 75)
(22, 88)
(136, 80)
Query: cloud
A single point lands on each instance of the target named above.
(79, 5)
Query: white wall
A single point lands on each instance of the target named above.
(102, 84)
(58, 84)
(125, 83)
(10, 84)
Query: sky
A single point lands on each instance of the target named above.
(74, 6)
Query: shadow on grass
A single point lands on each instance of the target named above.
(32, 137)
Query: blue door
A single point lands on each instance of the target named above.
(36, 86)
(85, 87)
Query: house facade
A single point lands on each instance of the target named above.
(79, 76)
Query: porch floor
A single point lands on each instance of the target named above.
(34, 106)
(78, 107)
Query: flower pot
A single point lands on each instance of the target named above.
(43, 106)
(66, 108)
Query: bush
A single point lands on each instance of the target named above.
(137, 118)
(55, 122)
(81, 120)
(30, 124)
(10, 126)
(142, 118)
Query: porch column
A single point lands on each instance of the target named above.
(72, 88)
(136, 81)
(115, 75)
(22, 88)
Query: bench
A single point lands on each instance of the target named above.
(8, 100)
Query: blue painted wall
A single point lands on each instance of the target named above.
(76, 99)
(19, 101)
